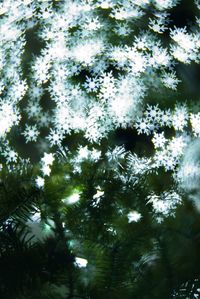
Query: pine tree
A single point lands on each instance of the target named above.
(99, 139)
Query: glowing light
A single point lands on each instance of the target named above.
(73, 198)
(134, 216)
(48, 159)
(80, 262)
(39, 182)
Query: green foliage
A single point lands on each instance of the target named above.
(142, 259)
(18, 195)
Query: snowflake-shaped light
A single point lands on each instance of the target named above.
(159, 140)
(55, 137)
(31, 133)
(134, 216)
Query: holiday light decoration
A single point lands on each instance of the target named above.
(97, 96)
(91, 83)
